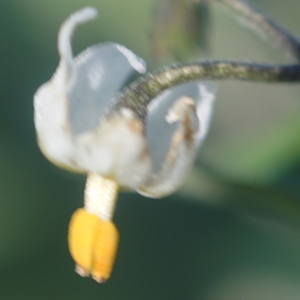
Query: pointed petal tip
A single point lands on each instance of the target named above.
(136, 62)
(87, 13)
(67, 29)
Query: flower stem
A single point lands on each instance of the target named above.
(141, 92)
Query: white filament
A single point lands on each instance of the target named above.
(100, 196)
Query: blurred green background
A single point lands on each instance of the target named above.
(232, 231)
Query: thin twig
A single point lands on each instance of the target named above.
(265, 27)
(140, 93)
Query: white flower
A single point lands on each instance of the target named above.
(80, 125)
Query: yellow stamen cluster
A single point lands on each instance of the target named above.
(92, 244)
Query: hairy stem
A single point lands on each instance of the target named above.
(141, 92)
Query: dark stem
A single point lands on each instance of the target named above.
(140, 93)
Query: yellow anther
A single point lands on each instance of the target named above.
(92, 244)
(81, 238)
(105, 250)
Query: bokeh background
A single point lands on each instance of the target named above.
(232, 231)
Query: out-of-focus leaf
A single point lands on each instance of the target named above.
(264, 156)
(180, 29)
(24, 216)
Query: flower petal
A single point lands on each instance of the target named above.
(101, 71)
(80, 92)
(175, 134)
(116, 150)
(51, 103)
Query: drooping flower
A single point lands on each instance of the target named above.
(81, 126)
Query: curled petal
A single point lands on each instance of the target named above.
(175, 134)
(67, 29)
